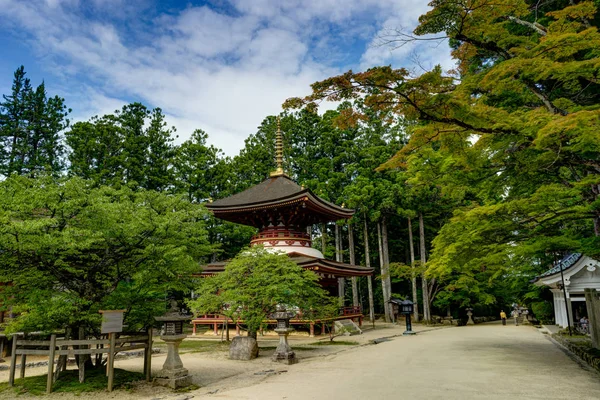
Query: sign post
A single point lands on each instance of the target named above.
(112, 323)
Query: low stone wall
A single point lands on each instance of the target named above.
(582, 348)
(459, 322)
(479, 320)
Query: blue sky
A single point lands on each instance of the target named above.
(218, 65)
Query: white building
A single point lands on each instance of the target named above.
(579, 272)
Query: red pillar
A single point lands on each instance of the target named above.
(312, 329)
(193, 329)
(216, 329)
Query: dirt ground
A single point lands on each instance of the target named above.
(487, 361)
(212, 371)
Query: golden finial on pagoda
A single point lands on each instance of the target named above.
(278, 151)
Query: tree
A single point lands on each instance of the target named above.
(255, 283)
(132, 146)
(516, 122)
(31, 126)
(71, 248)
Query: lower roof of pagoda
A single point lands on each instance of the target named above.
(277, 195)
(321, 266)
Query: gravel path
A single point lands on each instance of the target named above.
(487, 361)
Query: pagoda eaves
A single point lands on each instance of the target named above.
(277, 195)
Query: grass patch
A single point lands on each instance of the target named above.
(334, 343)
(582, 347)
(68, 382)
(197, 346)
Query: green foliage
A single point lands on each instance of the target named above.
(95, 381)
(255, 283)
(543, 311)
(31, 126)
(132, 146)
(70, 248)
(504, 149)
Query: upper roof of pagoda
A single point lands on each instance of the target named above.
(277, 192)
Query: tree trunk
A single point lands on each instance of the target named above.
(252, 334)
(411, 246)
(425, 288)
(323, 238)
(386, 305)
(386, 264)
(369, 279)
(339, 258)
(355, 301)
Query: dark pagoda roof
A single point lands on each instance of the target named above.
(319, 265)
(276, 192)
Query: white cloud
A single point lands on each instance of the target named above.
(205, 69)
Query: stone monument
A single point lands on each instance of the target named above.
(284, 353)
(470, 315)
(172, 373)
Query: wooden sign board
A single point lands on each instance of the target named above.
(347, 327)
(112, 321)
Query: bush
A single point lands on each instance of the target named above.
(543, 311)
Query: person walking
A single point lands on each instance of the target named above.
(515, 315)
(503, 317)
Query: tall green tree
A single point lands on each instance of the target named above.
(70, 248)
(517, 121)
(31, 128)
(132, 146)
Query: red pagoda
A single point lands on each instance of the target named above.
(283, 211)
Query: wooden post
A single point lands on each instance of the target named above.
(111, 360)
(23, 362)
(51, 350)
(148, 357)
(312, 329)
(193, 329)
(216, 329)
(82, 357)
(13, 361)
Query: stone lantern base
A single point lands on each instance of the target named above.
(172, 373)
(284, 353)
(175, 379)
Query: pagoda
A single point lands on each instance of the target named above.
(283, 212)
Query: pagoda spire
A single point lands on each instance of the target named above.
(278, 151)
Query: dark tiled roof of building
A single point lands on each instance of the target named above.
(313, 263)
(274, 192)
(564, 264)
(280, 187)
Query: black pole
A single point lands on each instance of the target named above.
(408, 324)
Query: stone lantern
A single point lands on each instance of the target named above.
(406, 308)
(172, 373)
(470, 314)
(284, 352)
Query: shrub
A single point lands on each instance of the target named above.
(543, 311)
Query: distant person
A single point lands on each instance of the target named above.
(584, 324)
(515, 315)
(503, 317)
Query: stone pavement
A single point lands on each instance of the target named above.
(487, 361)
